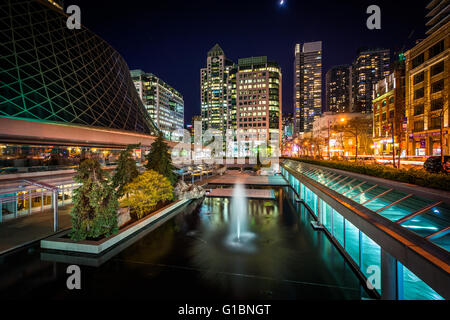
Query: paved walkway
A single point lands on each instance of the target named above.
(21, 231)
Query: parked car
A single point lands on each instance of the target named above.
(433, 164)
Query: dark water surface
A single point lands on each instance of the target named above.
(190, 257)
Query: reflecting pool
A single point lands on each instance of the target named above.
(188, 258)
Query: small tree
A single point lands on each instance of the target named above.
(359, 129)
(94, 213)
(126, 170)
(159, 159)
(146, 192)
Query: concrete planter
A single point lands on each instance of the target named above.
(60, 243)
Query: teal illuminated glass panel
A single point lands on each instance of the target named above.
(309, 173)
(352, 241)
(405, 207)
(338, 227)
(442, 240)
(340, 183)
(327, 213)
(323, 178)
(334, 180)
(359, 190)
(370, 194)
(384, 200)
(311, 200)
(429, 222)
(371, 258)
(414, 288)
(347, 187)
(328, 178)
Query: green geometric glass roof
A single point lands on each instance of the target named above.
(53, 74)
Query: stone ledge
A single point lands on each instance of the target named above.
(59, 243)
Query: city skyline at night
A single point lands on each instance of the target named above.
(172, 38)
(224, 159)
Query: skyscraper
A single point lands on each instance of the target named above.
(258, 98)
(337, 85)
(369, 67)
(215, 103)
(439, 14)
(307, 85)
(164, 104)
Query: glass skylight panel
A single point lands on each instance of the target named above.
(372, 193)
(359, 189)
(328, 178)
(335, 179)
(405, 207)
(385, 200)
(341, 183)
(347, 187)
(431, 221)
(425, 224)
(443, 240)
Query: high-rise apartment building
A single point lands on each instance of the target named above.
(164, 104)
(307, 85)
(258, 99)
(369, 67)
(438, 14)
(337, 85)
(214, 90)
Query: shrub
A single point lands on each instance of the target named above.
(126, 170)
(159, 159)
(412, 176)
(94, 213)
(146, 192)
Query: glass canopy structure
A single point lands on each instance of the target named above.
(51, 74)
(388, 227)
(428, 218)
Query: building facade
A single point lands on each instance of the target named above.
(438, 15)
(337, 86)
(370, 66)
(258, 99)
(427, 94)
(307, 85)
(216, 101)
(164, 104)
(389, 122)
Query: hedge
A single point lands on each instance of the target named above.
(413, 176)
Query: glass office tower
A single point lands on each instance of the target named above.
(307, 85)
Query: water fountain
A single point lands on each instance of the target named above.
(239, 237)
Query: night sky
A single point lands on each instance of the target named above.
(171, 38)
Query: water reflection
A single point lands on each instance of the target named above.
(186, 257)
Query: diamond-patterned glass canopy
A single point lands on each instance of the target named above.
(53, 74)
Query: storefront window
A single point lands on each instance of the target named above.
(24, 158)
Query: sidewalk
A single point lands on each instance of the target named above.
(21, 231)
